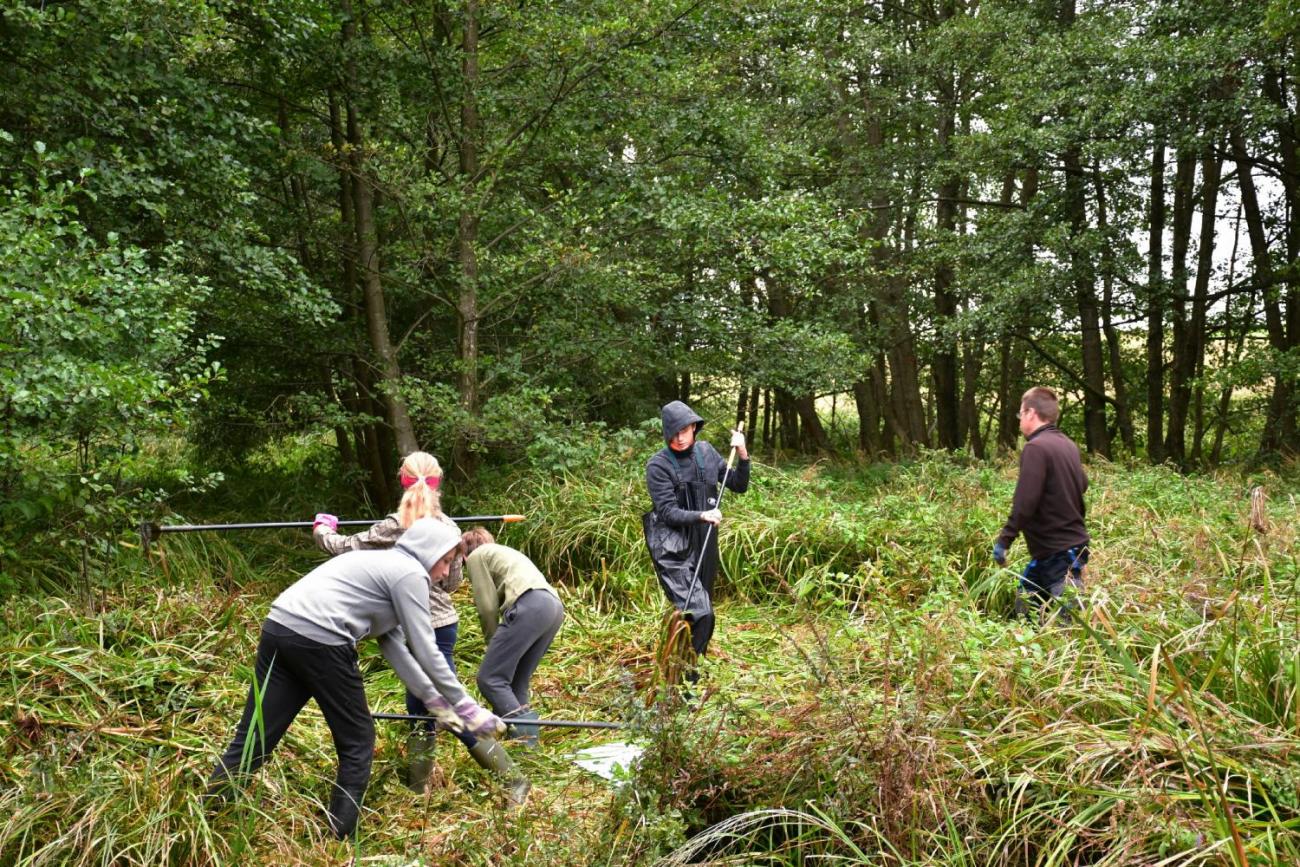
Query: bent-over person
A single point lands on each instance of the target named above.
(308, 650)
(520, 614)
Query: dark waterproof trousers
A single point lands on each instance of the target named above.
(1050, 579)
(523, 636)
(704, 540)
(291, 669)
(445, 636)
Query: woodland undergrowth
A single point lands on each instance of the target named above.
(870, 698)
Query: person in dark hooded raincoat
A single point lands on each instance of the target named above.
(683, 480)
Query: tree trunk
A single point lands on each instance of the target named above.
(348, 290)
(465, 453)
(972, 363)
(753, 412)
(767, 420)
(665, 387)
(869, 398)
(1156, 292)
(1122, 411)
(347, 454)
(1262, 268)
(1231, 356)
(892, 315)
(869, 391)
(1211, 168)
(801, 429)
(1179, 380)
(368, 257)
(1094, 371)
(787, 418)
(1011, 380)
(1282, 308)
(1012, 353)
(812, 435)
(944, 365)
(370, 445)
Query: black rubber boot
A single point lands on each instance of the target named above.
(492, 757)
(419, 760)
(520, 732)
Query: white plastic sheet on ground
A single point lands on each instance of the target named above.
(610, 761)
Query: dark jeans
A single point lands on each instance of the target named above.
(1047, 579)
(291, 669)
(446, 638)
(516, 648)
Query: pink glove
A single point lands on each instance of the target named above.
(325, 520)
(441, 710)
(480, 722)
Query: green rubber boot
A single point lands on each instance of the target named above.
(520, 732)
(492, 757)
(419, 760)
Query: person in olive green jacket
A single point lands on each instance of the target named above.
(520, 614)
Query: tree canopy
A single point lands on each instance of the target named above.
(462, 225)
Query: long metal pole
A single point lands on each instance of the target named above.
(280, 525)
(555, 723)
(150, 532)
(740, 426)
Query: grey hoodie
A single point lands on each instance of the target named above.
(384, 594)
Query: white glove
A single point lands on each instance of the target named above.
(737, 439)
(712, 516)
(447, 718)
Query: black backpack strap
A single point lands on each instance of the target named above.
(672, 466)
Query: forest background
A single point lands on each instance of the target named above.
(252, 252)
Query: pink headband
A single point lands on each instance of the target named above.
(431, 481)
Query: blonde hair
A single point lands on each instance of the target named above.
(419, 500)
(474, 538)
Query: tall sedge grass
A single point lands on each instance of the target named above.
(868, 700)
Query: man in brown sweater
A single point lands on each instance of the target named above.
(1047, 507)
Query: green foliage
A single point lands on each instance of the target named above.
(99, 351)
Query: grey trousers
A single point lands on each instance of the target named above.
(522, 637)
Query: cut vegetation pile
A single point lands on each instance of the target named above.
(869, 697)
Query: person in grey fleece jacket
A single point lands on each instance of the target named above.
(308, 650)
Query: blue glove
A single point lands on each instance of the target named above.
(999, 553)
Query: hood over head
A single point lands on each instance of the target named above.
(677, 415)
(428, 541)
